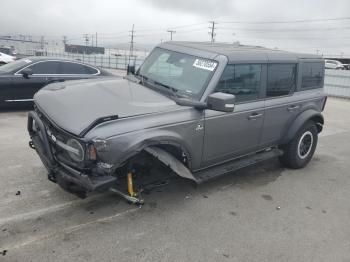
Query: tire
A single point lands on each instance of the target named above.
(299, 151)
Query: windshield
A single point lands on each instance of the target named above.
(187, 75)
(14, 66)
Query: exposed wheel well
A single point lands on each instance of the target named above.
(319, 121)
(144, 159)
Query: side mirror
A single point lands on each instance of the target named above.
(221, 102)
(26, 72)
(130, 70)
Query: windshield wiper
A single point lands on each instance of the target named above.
(172, 89)
(157, 83)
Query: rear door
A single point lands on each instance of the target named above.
(281, 106)
(229, 135)
(75, 70)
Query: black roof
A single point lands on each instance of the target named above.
(241, 52)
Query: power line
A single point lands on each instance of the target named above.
(286, 21)
(172, 27)
(284, 29)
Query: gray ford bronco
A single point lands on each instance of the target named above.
(200, 110)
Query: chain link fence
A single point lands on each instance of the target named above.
(102, 61)
(337, 83)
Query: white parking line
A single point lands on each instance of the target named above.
(44, 211)
(69, 230)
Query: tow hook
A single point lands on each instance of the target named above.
(132, 196)
(31, 144)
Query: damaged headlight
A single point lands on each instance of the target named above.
(76, 150)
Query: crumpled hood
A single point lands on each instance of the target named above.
(75, 105)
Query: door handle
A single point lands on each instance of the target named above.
(53, 80)
(254, 116)
(292, 108)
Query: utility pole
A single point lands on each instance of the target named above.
(171, 34)
(96, 39)
(92, 40)
(42, 42)
(86, 39)
(131, 52)
(212, 31)
(64, 40)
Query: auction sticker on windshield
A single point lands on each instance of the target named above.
(205, 64)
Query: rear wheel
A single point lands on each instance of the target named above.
(298, 152)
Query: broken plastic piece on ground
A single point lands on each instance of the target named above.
(278, 208)
(18, 193)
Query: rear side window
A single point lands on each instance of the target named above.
(47, 67)
(312, 76)
(281, 79)
(77, 69)
(243, 81)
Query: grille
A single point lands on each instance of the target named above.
(55, 134)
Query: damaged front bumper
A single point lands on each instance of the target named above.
(70, 179)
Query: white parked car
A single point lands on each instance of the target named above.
(333, 64)
(4, 58)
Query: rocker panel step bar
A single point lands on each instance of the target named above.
(228, 167)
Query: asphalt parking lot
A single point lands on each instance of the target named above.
(264, 213)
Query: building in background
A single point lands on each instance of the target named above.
(84, 49)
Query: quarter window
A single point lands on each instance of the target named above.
(312, 75)
(45, 68)
(281, 79)
(243, 81)
(77, 69)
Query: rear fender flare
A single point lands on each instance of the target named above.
(300, 120)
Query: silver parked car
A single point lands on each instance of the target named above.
(201, 109)
(334, 64)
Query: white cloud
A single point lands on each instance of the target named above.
(113, 19)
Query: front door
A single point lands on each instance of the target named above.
(23, 89)
(5, 90)
(230, 135)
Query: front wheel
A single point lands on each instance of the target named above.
(298, 152)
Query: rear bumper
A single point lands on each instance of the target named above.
(68, 178)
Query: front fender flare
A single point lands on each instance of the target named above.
(172, 162)
(300, 120)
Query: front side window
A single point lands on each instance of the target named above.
(77, 69)
(312, 75)
(243, 81)
(281, 79)
(45, 68)
(186, 74)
